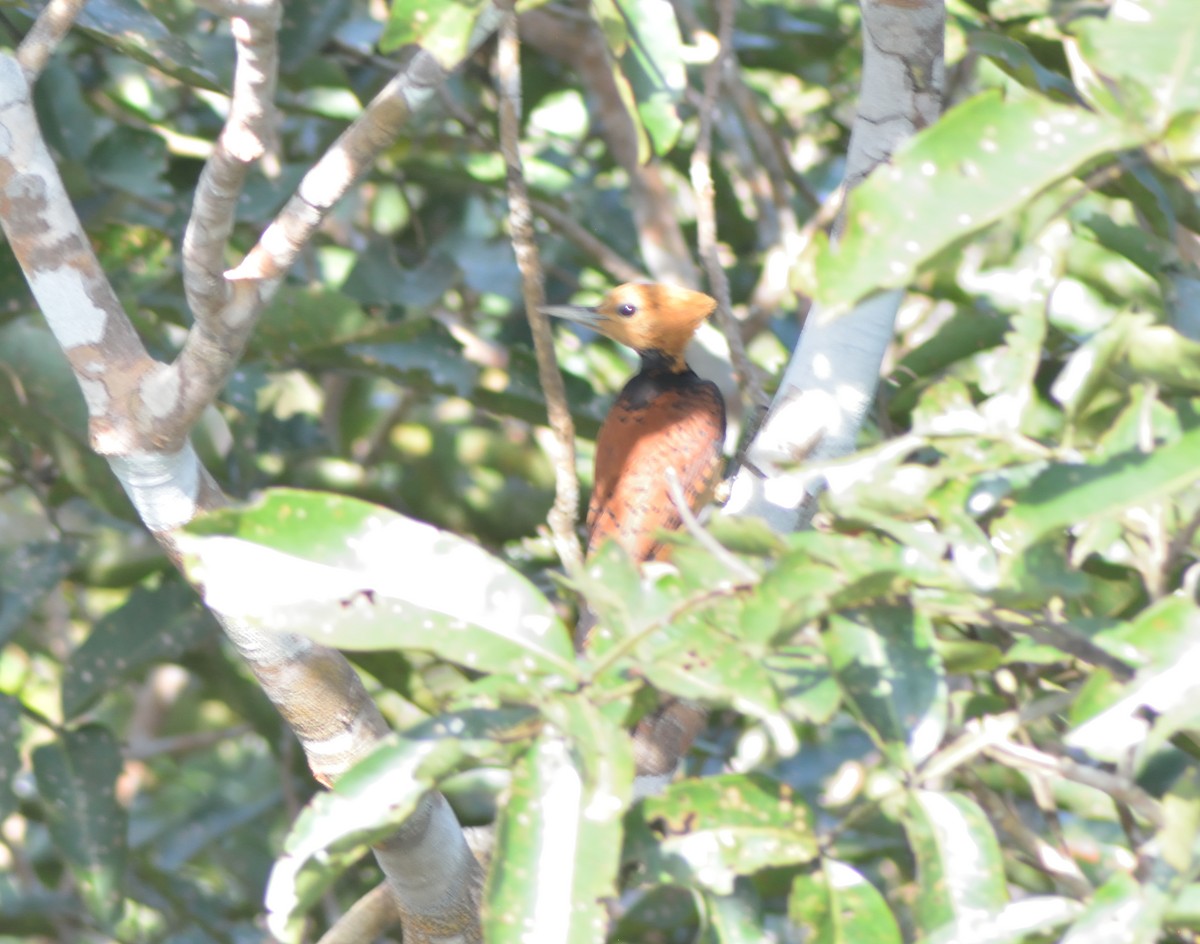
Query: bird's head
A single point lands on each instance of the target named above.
(651, 318)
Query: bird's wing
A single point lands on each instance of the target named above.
(681, 428)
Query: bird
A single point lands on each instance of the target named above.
(666, 417)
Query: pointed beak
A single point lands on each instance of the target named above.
(577, 313)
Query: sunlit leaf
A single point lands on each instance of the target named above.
(350, 574)
(706, 832)
(839, 906)
(1065, 494)
(959, 863)
(984, 158)
(558, 840)
(445, 28)
(1152, 49)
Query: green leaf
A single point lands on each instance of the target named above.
(705, 833)
(888, 667)
(804, 679)
(984, 159)
(77, 777)
(354, 575)
(152, 626)
(1169, 685)
(10, 757)
(959, 863)
(1121, 912)
(134, 31)
(377, 795)
(558, 840)
(27, 574)
(835, 904)
(447, 29)
(1063, 495)
(735, 918)
(1016, 60)
(696, 662)
(660, 78)
(133, 161)
(67, 121)
(1151, 51)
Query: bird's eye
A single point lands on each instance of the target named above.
(627, 310)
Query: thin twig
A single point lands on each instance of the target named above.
(520, 220)
(1053, 861)
(706, 540)
(706, 219)
(623, 647)
(244, 139)
(1064, 638)
(603, 254)
(978, 737)
(43, 37)
(1119, 789)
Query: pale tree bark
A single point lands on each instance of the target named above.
(830, 382)
(141, 410)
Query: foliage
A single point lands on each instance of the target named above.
(962, 708)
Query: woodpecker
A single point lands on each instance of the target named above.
(666, 417)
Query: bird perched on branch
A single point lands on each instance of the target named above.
(666, 417)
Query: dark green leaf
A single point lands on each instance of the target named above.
(888, 667)
(77, 777)
(10, 757)
(27, 574)
(152, 626)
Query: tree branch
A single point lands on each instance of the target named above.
(706, 216)
(44, 36)
(520, 220)
(831, 379)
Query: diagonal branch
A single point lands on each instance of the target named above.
(44, 36)
(830, 382)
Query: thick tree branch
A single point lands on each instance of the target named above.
(831, 380)
(140, 412)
